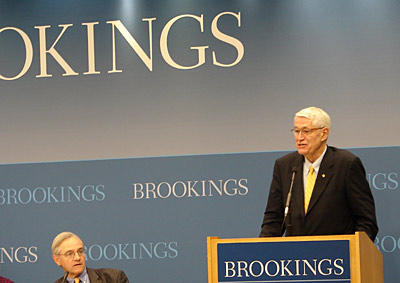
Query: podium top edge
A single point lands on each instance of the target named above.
(287, 239)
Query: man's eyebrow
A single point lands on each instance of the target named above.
(71, 250)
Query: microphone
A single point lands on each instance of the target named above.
(65, 277)
(287, 206)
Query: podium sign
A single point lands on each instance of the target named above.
(326, 259)
(308, 261)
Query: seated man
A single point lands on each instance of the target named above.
(68, 253)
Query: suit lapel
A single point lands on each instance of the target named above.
(298, 188)
(93, 276)
(325, 174)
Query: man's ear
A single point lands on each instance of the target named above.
(325, 133)
(56, 260)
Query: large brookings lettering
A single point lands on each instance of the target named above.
(147, 59)
(283, 268)
(180, 189)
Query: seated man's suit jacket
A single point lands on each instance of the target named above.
(104, 275)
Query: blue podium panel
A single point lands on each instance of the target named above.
(298, 261)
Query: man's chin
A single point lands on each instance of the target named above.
(301, 151)
(76, 270)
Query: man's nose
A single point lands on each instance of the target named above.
(300, 136)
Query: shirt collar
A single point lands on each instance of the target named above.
(82, 277)
(316, 163)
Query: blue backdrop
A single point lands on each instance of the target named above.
(151, 216)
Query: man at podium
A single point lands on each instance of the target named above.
(329, 193)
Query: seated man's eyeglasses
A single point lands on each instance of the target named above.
(71, 254)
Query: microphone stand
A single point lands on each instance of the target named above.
(289, 227)
(288, 213)
(65, 277)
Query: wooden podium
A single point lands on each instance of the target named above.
(337, 258)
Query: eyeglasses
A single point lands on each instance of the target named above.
(71, 254)
(305, 131)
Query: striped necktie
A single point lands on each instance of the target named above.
(309, 188)
(77, 280)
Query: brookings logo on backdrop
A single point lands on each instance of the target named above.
(55, 194)
(383, 181)
(388, 243)
(189, 189)
(132, 251)
(117, 25)
(21, 254)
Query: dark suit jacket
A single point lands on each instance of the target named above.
(341, 202)
(104, 275)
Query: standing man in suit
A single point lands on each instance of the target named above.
(330, 193)
(69, 253)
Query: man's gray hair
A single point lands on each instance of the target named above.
(55, 247)
(318, 116)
